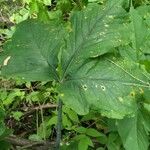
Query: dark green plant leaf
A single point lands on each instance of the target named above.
(32, 53)
(40, 52)
(141, 37)
(133, 131)
(81, 130)
(66, 122)
(94, 31)
(84, 143)
(114, 142)
(105, 84)
(71, 114)
(93, 132)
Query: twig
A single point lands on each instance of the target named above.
(6, 22)
(17, 141)
(24, 143)
(43, 123)
(31, 145)
(48, 105)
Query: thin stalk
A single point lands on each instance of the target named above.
(59, 125)
(37, 122)
(43, 124)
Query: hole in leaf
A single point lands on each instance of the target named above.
(103, 88)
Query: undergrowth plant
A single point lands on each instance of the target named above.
(99, 60)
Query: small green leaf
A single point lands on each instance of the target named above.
(46, 2)
(71, 114)
(52, 121)
(93, 132)
(114, 142)
(84, 143)
(12, 95)
(81, 130)
(33, 96)
(17, 115)
(66, 121)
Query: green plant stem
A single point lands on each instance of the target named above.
(59, 125)
(37, 121)
(43, 124)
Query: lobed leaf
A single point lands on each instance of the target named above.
(94, 31)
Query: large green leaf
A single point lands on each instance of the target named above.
(94, 31)
(32, 53)
(106, 84)
(42, 52)
(134, 131)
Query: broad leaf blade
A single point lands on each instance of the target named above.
(105, 84)
(94, 31)
(32, 53)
